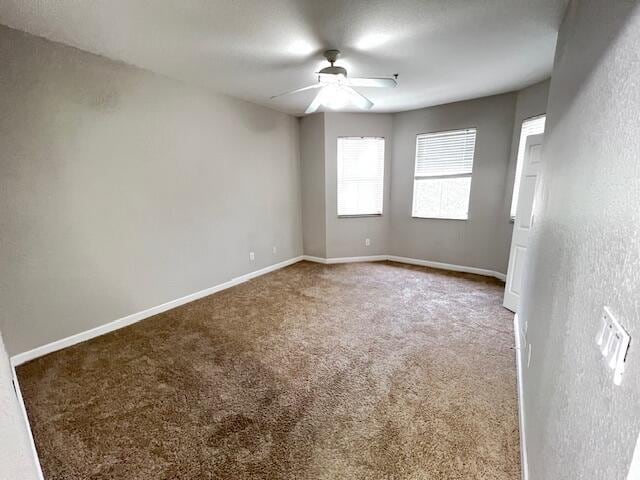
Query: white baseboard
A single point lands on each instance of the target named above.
(23, 411)
(136, 317)
(410, 261)
(311, 258)
(524, 463)
(330, 261)
(448, 266)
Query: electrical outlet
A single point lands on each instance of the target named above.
(613, 341)
(252, 256)
(275, 249)
(367, 242)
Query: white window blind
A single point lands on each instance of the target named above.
(531, 126)
(442, 181)
(360, 175)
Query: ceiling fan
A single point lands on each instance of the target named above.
(336, 89)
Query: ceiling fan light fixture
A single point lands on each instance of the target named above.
(328, 78)
(336, 88)
(335, 97)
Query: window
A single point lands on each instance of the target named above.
(442, 180)
(531, 126)
(360, 175)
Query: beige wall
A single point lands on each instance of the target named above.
(346, 236)
(314, 231)
(16, 457)
(585, 251)
(483, 240)
(327, 235)
(126, 190)
(122, 190)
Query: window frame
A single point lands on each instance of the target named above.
(436, 177)
(384, 166)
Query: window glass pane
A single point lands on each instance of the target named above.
(442, 181)
(441, 197)
(532, 126)
(367, 197)
(360, 175)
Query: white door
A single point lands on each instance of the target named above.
(523, 221)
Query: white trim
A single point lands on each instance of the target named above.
(311, 258)
(136, 317)
(448, 266)
(23, 411)
(330, 261)
(410, 261)
(524, 463)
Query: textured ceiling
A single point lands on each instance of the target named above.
(444, 50)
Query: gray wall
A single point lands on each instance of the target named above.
(346, 236)
(122, 190)
(314, 231)
(16, 458)
(483, 240)
(586, 251)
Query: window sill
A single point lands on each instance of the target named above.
(440, 218)
(369, 215)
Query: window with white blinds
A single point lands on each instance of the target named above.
(442, 181)
(360, 175)
(531, 126)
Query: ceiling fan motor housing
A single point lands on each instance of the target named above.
(333, 70)
(332, 56)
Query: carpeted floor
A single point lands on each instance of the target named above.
(375, 371)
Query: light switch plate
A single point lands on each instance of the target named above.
(613, 341)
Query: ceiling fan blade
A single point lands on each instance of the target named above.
(310, 87)
(360, 100)
(315, 104)
(371, 82)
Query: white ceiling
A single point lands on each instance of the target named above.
(444, 50)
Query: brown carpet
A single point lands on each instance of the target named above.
(360, 371)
